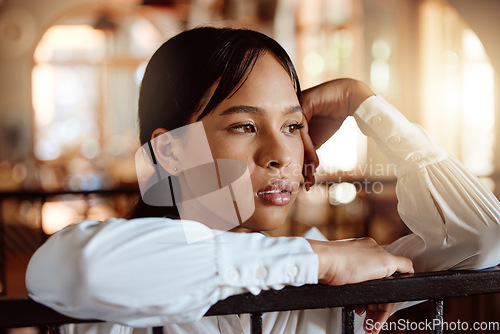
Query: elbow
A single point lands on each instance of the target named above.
(488, 248)
(57, 281)
(35, 278)
(484, 250)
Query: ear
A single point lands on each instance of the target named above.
(165, 149)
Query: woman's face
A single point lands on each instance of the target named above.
(259, 125)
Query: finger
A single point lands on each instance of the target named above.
(309, 150)
(405, 266)
(376, 316)
(309, 179)
(311, 160)
(360, 309)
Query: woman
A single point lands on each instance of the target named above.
(243, 89)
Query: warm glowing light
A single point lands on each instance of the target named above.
(380, 75)
(343, 42)
(478, 114)
(451, 60)
(341, 193)
(381, 50)
(472, 46)
(380, 72)
(478, 81)
(58, 215)
(457, 88)
(313, 63)
(69, 37)
(90, 148)
(145, 38)
(337, 12)
(43, 80)
(47, 150)
(139, 73)
(340, 153)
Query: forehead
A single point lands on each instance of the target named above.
(267, 84)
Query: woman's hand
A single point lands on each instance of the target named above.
(325, 107)
(357, 260)
(378, 313)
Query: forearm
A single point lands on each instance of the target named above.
(141, 273)
(453, 217)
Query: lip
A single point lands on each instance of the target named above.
(277, 192)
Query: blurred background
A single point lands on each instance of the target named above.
(70, 72)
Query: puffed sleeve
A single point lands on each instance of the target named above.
(454, 218)
(142, 272)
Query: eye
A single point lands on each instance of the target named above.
(293, 128)
(243, 128)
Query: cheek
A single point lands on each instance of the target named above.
(222, 148)
(299, 151)
(247, 151)
(296, 149)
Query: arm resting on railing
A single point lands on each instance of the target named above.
(25, 312)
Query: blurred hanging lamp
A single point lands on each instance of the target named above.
(180, 8)
(105, 23)
(162, 3)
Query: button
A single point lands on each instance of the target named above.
(261, 273)
(395, 140)
(416, 157)
(377, 120)
(292, 271)
(233, 275)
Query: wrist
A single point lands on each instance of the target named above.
(358, 93)
(318, 247)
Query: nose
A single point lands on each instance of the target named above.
(274, 152)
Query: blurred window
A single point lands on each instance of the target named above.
(457, 85)
(85, 89)
(329, 45)
(372, 41)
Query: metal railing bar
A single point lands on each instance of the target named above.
(347, 320)
(54, 329)
(26, 312)
(158, 330)
(410, 287)
(24, 194)
(437, 314)
(256, 323)
(3, 276)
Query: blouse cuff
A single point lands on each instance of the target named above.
(407, 145)
(256, 262)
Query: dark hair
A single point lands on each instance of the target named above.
(184, 68)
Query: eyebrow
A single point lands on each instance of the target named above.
(257, 110)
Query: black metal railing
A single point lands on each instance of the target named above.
(435, 286)
(40, 198)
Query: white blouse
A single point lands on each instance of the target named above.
(140, 273)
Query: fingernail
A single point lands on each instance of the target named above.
(359, 310)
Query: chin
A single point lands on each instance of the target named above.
(267, 218)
